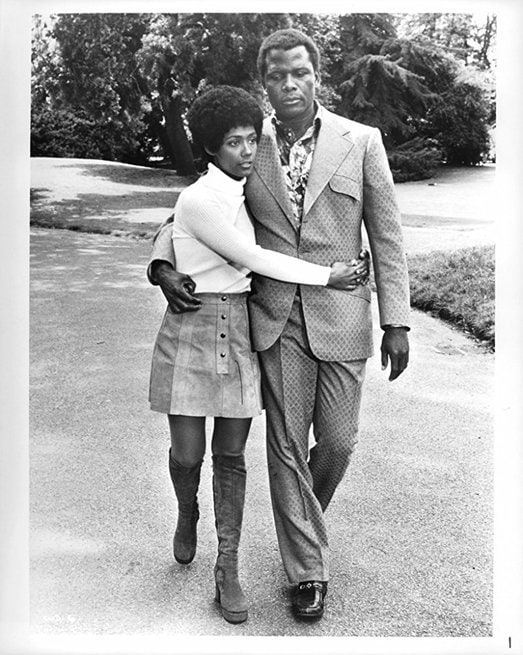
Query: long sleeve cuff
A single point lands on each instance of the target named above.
(162, 249)
(386, 327)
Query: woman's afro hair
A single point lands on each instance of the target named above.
(217, 111)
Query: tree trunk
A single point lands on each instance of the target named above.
(178, 142)
(486, 41)
(155, 121)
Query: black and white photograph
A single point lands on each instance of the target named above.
(261, 304)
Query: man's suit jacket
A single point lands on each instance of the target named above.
(349, 185)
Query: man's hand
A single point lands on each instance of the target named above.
(395, 347)
(177, 288)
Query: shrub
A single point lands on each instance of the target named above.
(74, 134)
(416, 159)
(460, 125)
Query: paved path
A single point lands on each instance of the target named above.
(455, 209)
(411, 526)
(451, 210)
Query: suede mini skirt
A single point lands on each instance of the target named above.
(203, 363)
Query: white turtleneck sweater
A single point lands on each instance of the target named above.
(214, 240)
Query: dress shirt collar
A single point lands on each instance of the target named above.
(287, 133)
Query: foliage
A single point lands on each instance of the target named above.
(460, 35)
(184, 53)
(416, 159)
(382, 93)
(382, 82)
(458, 287)
(412, 90)
(459, 123)
(98, 66)
(95, 86)
(64, 133)
(364, 34)
(122, 82)
(45, 64)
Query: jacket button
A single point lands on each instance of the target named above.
(223, 335)
(222, 354)
(224, 298)
(224, 316)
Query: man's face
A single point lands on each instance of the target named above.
(290, 82)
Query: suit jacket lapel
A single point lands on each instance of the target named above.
(267, 165)
(331, 149)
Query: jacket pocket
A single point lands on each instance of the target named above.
(345, 185)
(362, 291)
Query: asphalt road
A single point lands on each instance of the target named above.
(411, 526)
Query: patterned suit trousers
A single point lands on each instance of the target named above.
(301, 391)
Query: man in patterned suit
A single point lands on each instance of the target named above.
(317, 179)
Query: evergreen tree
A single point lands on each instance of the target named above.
(407, 86)
(380, 88)
(97, 87)
(117, 86)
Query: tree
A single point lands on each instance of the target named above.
(44, 62)
(459, 123)
(465, 36)
(465, 108)
(95, 82)
(117, 86)
(185, 53)
(404, 86)
(378, 87)
(486, 55)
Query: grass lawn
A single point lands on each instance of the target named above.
(458, 287)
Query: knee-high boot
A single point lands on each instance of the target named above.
(186, 481)
(229, 477)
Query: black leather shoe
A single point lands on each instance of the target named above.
(309, 599)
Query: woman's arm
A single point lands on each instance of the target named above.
(206, 222)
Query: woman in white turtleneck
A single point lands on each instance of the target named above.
(203, 364)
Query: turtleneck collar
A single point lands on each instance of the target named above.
(217, 179)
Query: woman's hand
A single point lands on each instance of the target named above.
(349, 276)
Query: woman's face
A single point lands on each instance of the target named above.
(237, 152)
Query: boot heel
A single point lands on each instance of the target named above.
(229, 615)
(234, 617)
